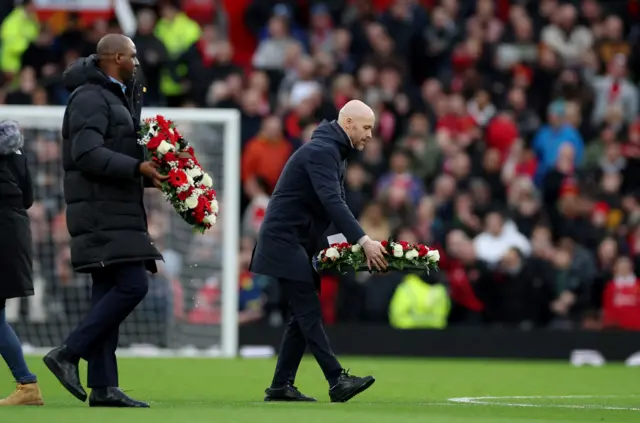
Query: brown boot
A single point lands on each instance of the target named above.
(24, 395)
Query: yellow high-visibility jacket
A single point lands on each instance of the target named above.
(17, 32)
(177, 36)
(417, 305)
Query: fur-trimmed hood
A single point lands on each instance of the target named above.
(11, 140)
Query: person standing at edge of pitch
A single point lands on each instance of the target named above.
(16, 257)
(104, 179)
(306, 200)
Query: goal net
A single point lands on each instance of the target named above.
(192, 304)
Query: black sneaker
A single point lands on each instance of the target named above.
(348, 386)
(287, 393)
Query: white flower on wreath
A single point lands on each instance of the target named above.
(398, 251)
(210, 219)
(356, 248)
(191, 201)
(433, 256)
(144, 140)
(412, 255)
(332, 254)
(214, 206)
(207, 181)
(194, 172)
(183, 188)
(165, 147)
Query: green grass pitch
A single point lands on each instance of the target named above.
(406, 391)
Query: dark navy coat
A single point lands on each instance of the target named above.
(308, 197)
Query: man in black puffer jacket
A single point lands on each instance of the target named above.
(104, 180)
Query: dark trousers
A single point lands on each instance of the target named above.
(116, 291)
(304, 329)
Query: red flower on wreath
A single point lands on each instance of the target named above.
(200, 211)
(155, 142)
(385, 244)
(174, 135)
(405, 245)
(423, 250)
(163, 123)
(183, 163)
(183, 195)
(177, 177)
(170, 157)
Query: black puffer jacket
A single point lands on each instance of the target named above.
(102, 185)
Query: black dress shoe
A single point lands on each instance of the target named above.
(64, 366)
(287, 393)
(113, 397)
(348, 386)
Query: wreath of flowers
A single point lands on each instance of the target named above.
(400, 255)
(189, 188)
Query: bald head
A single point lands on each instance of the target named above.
(117, 56)
(357, 119)
(113, 43)
(355, 109)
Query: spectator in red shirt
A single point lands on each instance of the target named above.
(457, 123)
(501, 133)
(621, 299)
(267, 153)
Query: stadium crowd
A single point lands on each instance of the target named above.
(507, 136)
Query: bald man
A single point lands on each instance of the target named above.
(104, 175)
(307, 199)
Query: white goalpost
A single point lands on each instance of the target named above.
(192, 306)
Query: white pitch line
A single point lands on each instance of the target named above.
(491, 401)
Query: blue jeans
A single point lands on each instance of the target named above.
(11, 350)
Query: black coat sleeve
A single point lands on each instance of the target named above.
(88, 124)
(324, 170)
(20, 170)
(147, 182)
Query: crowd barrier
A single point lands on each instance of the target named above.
(491, 343)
